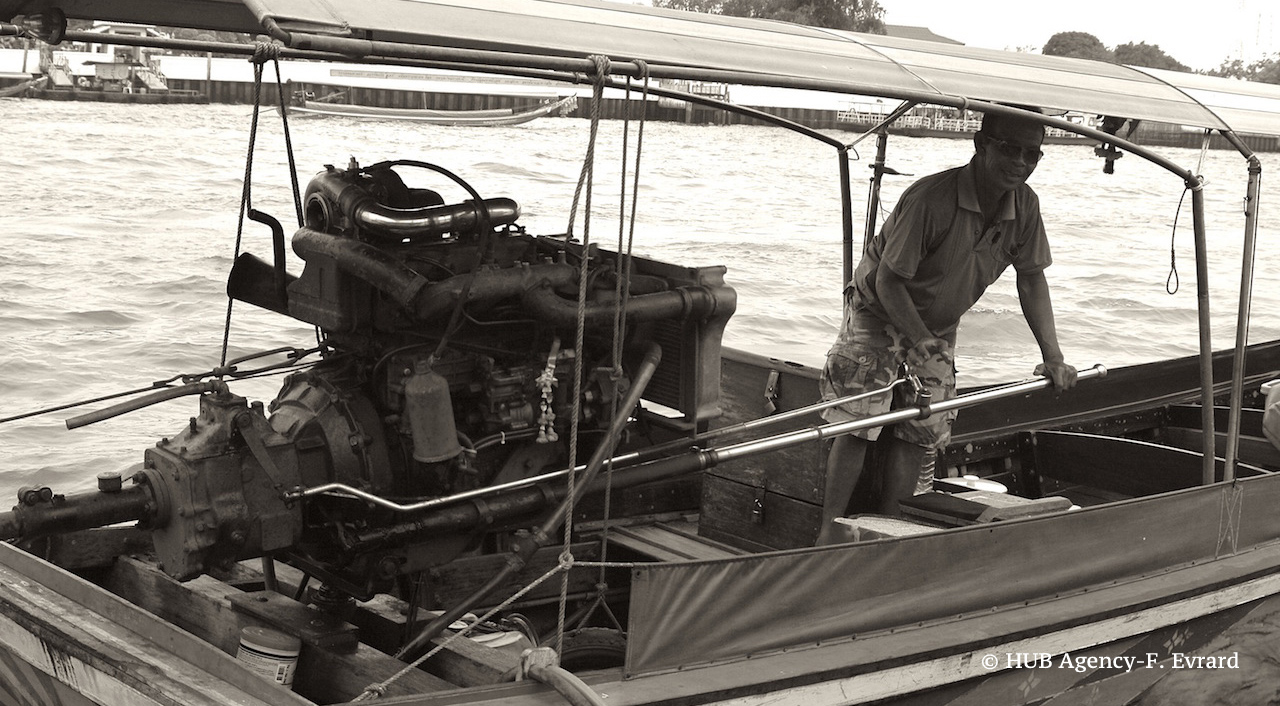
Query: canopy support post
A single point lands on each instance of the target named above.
(873, 196)
(881, 131)
(1208, 470)
(846, 215)
(1252, 198)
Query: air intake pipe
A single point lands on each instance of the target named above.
(535, 284)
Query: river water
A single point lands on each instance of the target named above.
(120, 222)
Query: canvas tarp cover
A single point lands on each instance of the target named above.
(705, 612)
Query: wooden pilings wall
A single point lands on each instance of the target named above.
(610, 108)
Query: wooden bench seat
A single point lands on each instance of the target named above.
(978, 506)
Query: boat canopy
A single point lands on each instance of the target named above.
(553, 34)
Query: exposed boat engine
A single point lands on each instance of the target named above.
(449, 367)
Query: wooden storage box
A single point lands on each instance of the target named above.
(772, 500)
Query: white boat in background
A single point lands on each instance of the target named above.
(23, 88)
(478, 118)
(480, 388)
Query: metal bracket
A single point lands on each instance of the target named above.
(253, 439)
(771, 392)
(308, 624)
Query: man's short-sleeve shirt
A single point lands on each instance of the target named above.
(935, 241)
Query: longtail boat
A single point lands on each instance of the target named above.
(23, 88)
(477, 118)
(521, 469)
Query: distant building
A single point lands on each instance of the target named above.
(919, 33)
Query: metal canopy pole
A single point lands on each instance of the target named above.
(881, 131)
(1249, 247)
(873, 195)
(1206, 339)
(846, 217)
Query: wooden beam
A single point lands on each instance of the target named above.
(382, 620)
(463, 661)
(202, 606)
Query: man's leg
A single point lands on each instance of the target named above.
(901, 471)
(844, 467)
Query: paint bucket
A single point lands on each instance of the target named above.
(1271, 412)
(969, 482)
(269, 653)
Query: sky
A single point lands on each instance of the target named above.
(1198, 34)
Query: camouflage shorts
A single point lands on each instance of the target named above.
(866, 357)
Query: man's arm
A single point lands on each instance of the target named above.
(1033, 295)
(896, 300)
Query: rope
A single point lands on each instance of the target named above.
(378, 689)
(622, 294)
(288, 142)
(1172, 282)
(587, 179)
(597, 97)
(245, 199)
(1229, 515)
(612, 564)
(262, 53)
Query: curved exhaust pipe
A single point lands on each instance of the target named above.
(433, 221)
(356, 205)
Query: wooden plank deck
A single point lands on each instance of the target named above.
(670, 540)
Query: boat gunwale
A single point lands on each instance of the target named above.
(96, 599)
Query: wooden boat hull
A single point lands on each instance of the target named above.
(25, 685)
(22, 89)
(479, 118)
(1159, 579)
(1031, 665)
(168, 97)
(68, 641)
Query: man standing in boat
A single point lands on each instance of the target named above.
(951, 235)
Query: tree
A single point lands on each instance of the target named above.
(1265, 70)
(1230, 69)
(853, 15)
(1081, 45)
(1149, 55)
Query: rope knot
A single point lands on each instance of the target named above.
(602, 64)
(373, 691)
(264, 52)
(566, 560)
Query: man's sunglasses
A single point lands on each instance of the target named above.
(1008, 150)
